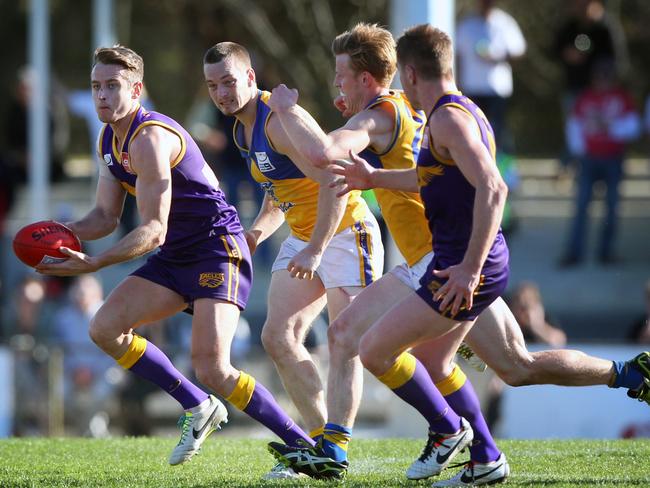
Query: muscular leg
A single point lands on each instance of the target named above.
(213, 329)
(437, 356)
(497, 339)
(292, 307)
(345, 380)
(407, 324)
(134, 302)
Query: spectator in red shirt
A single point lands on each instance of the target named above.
(604, 120)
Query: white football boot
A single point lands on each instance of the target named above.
(474, 474)
(281, 472)
(439, 451)
(196, 427)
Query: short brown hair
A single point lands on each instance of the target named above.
(223, 50)
(121, 56)
(428, 49)
(371, 48)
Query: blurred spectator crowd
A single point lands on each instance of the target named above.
(45, 321)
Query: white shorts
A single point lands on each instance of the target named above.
(410, 275)
(354, 256)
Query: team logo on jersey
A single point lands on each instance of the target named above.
(285, 206)
(211, 280)
(125, 163)
(108, 159)
(427, 173)
(263, 162)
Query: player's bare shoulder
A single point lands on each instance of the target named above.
(153, 143)
(277, 136)
(380, 119)
(450, 123)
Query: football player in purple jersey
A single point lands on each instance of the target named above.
(202, 264)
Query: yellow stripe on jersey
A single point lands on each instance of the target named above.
(400, 372)
(181, 154)
(452, 383)
(449, 161)
(127, 187)
(231, 268)
(235, 259)
(135, 351)
(403, 212)
(114, 141)
(243, 392)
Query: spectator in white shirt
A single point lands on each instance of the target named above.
(486, 42)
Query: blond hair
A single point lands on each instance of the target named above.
(429, 50)
(121, 56)
(371, 48)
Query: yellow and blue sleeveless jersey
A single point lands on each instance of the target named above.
(403, 212)
(290, 190)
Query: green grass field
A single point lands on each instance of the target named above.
(142, 462)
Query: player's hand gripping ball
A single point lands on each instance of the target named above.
(40, 242)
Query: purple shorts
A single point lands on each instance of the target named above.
(219, 267)
(492, 284)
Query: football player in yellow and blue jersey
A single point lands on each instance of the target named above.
(387, 131)
(334, 247)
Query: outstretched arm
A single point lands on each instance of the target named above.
(364, 129)
(356, 174)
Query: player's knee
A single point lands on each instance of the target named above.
(342, 340)
(101, 328)
(276, 345)
(516, 373)
(210, 373)
(368, 356)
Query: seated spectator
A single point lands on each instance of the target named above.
(26, 339)
(528, 309)
(85, 387)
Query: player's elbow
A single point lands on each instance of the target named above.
(157, 232)
(318, 157)
(497, 191)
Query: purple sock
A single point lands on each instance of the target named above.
(156, 367)
(263, 408)
(465, 403)
(421, 393)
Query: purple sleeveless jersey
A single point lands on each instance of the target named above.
(205, 254)
(449, 205)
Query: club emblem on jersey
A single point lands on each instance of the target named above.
(125, 163)
(427, 173)
(263, 162)
(108, 159)
(211, 280)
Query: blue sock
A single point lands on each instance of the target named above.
(626, 376)
(335, 441)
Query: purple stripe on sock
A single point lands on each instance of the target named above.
(263, 408)
(156, 367)
(465, 403)
(421, 393)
